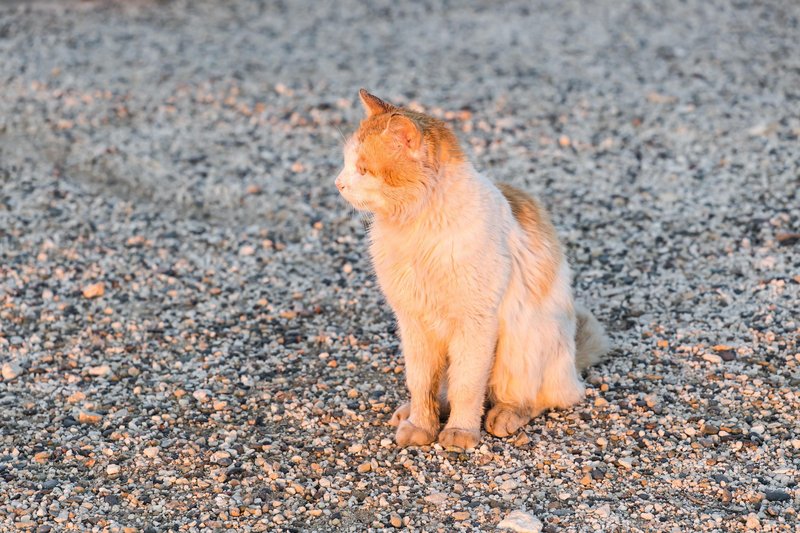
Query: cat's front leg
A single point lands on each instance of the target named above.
(425, 360)
(470, 361)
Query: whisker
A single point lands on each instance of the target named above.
(344, 139)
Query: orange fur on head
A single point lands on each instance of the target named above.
(403, 146)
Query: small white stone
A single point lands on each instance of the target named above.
(100, 370)
(690, 431)
(521, 522)
(712, 358)
(758, 428)
(626, 462)
(753, 522)
(151, 452)
(355, 448)
(796, 444)
(11, 370)
(508, 485)
(437, 498)
(201, 395)
(602, 442)
(112, 469)
(604, 511)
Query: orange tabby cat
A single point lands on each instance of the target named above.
(476, 277)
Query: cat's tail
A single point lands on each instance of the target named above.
(591, 342)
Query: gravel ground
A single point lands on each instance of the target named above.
(190, 335)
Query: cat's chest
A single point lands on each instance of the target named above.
(409, 260)
(421, 273)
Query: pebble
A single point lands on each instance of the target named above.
(437, 498)
(777, 496)
(112, 469)
(509, 485)
(75, 397)
(753, 523)
(712, 358)
(100, 370)
(522, 440)
(626, 462)
(95, 290)
(201, 395)
(521, 522)
(364, 467)
(89, 417)
(604, 511)
(395, 521)
(11, 371)
(151, 452)
(220, 456)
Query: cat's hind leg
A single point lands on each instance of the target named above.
(561, 387)
(534, 371)
(515, 377)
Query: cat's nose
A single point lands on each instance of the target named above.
(339, 183)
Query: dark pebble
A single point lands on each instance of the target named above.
(50, 484)
(777, 496)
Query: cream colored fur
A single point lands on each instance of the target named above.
(457, 269)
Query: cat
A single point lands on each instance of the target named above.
(476, 277)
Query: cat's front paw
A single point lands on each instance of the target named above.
(502, 421)
(459, 438)
(409, 434)
(402, 413)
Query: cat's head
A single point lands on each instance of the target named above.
(392, 163)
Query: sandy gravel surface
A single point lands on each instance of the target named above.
(190, 335)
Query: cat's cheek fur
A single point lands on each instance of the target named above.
(362, 191)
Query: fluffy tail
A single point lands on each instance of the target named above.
(591, 342)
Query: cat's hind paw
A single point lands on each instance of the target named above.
(502, 421)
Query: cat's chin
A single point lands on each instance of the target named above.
(360, 206)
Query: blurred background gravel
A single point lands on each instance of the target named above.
(190, 335)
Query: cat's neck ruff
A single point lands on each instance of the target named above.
(454, 195)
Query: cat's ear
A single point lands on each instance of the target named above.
(374, 105)
(405, 131)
